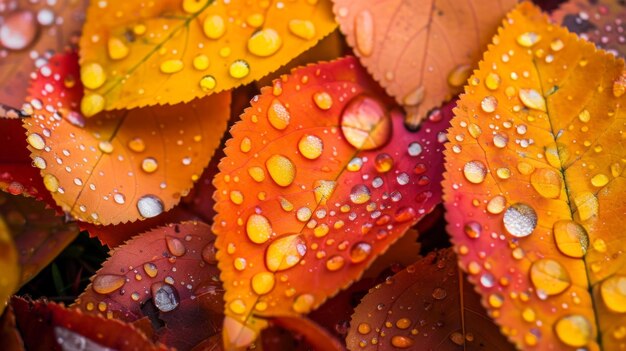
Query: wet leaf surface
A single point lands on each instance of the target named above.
(31, 32)
(119, 166)
(435, 43)
(168, 274)
(427, 306)
(172, 51)
(535, 182)
(305, 206)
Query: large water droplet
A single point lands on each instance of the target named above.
(573, 330)
(360, 194)
(117, 48)
(264, 42)
(401, 342)
(303, 303)
(281, 170)
(520, 220)
(335, 263)
(323, 100)
(258, 228)
(18, 30)
(285, 252)
(304, 29)
(532, 99)
(107, 283)
(549, 277)
(239, 69)
(475, 172)
(150, 206)
(92, 75)
(364, 32)
(164, 296)
(571, 238)
(263, 282)
(383, 162)
(310, 146)
(546, 182)
(150, 269)
(613, 292)
(214, 26)
(175, 246)
(528, 39)
(586, 205)
(360, 252)
(365, 123)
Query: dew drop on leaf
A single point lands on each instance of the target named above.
(520, 220)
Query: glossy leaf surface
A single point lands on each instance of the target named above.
(49, 326)
(534, 186)
(168, 274)
(31, 32)
(421, 51)
(119, 166)
(599, 21)
(427, 306)
(305, 206)
(139, 53)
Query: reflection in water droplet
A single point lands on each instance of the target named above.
(360, 252)
(310, 146)
(214, 26)
(613, 292)
(335, 263)
(150, 206)
(281, 170)
(520, 220)
(571, 238)
(175, 246)
(18, 30)
(304, 29)
(489, 104)
(105, 146)
(36, 141)
(258, 229)
(150, 269)
(401, 342)
(473, 229)
(573, 330)
(323, 100)
(239, 69)
(364, 328)
(51, 183)
(264, 42)
(492, 81)
(263, 282)
(285, 252)
(531, 98)
(149, 165)
(164, 296)
(528, 39)
(360, 194)
(475, 172)
(107, 283)
(365, 123)
(549, 277)
(383, 162)
(92, 75)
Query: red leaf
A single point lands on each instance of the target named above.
(49, 326)
(118, 166)
(331, 181)
(315, 335)
(168, 274)
(424, 307)
(10, 339)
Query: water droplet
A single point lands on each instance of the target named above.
(586, 205)
(264, 42)
(599, 180)
(302, 28)
(439, 294)
(492, 81)
(208, 83)
(149, 165)
(310, 146)
(364, 32)
(571, 238)
(619, 85)
(201, 62)
(401, 342)
(175, 246)
(360, 194)
(18, 30)
(459, 75)
(528, 39)
(263, 282)
(546, 182)
(474, 130)
(258, 229)
(365, 123)
(489, 104)
(573, 330)
(119, 198)
(91, 104)
(520, 220)
(303, 214)
(214, 26)
(360, 252)
(92, 75)
(500, 140)
(36, 141)
(285, 252)
(383, 163)
(613, 292)
(364, 328)
(51, 183)
(105, 146)
(39, 162)
(257, 174)
(236, 197)
(415, 97)
(475, 172)
(277, 115)
(149, 206)
(549, 277)
(209, 253)
(323, 189)
(281, 170)
(323, 100)
(303, 303)
(473, 229)
(335, 263)
(172, 66)
(107, 283)
(150, 269)
(136, 144)
(531, 98)
(117, 48)
(164, 296)
(556, 45)
(239, 69)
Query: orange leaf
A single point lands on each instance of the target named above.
(599, 21)
(436, 44)
(427, 306)
(49, 326)
(534, 186)
(135, 55)
(120, 166)
(320, 177)
(9, 265)
(30, 32)
(168, 274)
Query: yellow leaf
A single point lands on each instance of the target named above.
(164, 52)
(10, 276)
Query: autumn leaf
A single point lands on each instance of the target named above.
(422, 52)
(305, 205)
(168, 52)
(427, 306)
(9, 265)
(534, 186)
(168, 274)
(119, 166)
(31, 31)
(10, 339)
(599, 21)
(49, 326)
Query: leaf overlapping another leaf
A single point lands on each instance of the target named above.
(137, 53)
(119, 166)
(422, 52)
(535, 182)
(306, 205)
